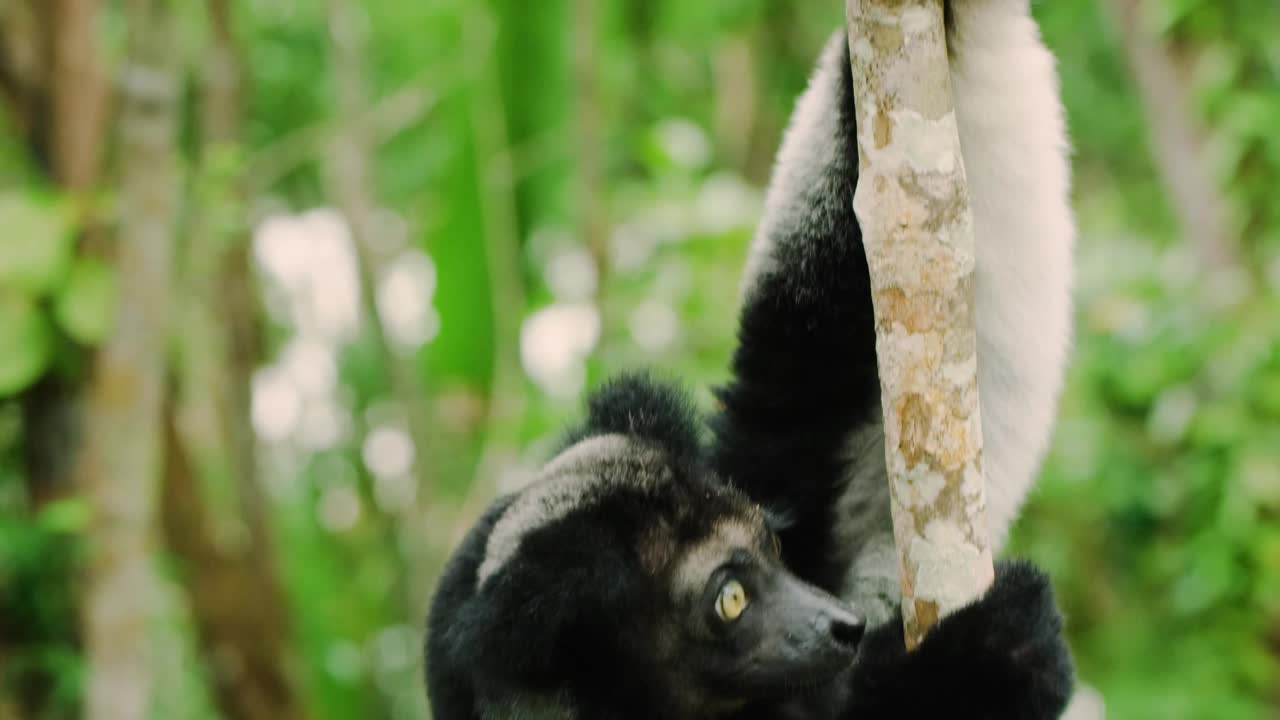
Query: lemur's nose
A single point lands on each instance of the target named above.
(842, 627)
(845, 630)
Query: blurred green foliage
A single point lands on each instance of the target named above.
(1158, 513)
(48, 295)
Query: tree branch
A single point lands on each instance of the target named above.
(228, 575)
(121, 461)
(912, 202)
(79, 93)
(1179, 140)
(350, 176)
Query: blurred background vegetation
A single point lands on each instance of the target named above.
(290, 288)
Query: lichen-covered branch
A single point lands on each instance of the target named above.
(913, 205)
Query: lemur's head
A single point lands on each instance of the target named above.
(627, 580)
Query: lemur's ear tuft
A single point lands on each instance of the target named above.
(640, 405)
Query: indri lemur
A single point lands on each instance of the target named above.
(647, 573)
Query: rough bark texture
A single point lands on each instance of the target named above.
(912, 203)
(121, 458)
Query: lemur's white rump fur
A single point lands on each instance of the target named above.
(576, 477)
(1016, 154)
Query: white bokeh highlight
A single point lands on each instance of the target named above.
(654, 326)
(554, 344)
(571, 274)
(388, 451)
(312, 258)
(404, 296)
(276, 404)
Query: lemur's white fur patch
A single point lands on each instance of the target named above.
(800, 164)
(697, 563)
(1016, 154)
(575, 477)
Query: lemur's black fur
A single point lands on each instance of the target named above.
(588, 619)
(601, 612)
(805, 366)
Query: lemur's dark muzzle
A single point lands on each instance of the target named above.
(806, 636)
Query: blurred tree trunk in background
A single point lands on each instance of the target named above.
(78, 91)
(780, 39)
(1179, 139)
(238, 610)
(52, 79)
(499, 204)
(349, 175)
(24, 71)
(737, 99)
(54, 92)
(226, 549)
(591, 150)
(120, 462)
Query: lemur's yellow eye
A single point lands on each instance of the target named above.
(731, 601)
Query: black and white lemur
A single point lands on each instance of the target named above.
(648, 573)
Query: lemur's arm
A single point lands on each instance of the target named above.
(801, 426)
(805, 366)
(1001, 658)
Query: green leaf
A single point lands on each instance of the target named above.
(36, 244)
(1266, 394)
(70, 515)
(85, 306)
(1222, 424)
(26, 343)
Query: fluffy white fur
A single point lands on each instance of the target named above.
(575, 478)
(1014, 141)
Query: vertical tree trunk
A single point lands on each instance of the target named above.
(79, 93)
(120, 462)
(593, 221)
(239, 614)
(50, 65)
(227, 572)
(486, 113)
(912, 202)
(55, 96)
(24, 70)
(1179, 140)
(737, 98)
(350, 177)
(234, 295)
